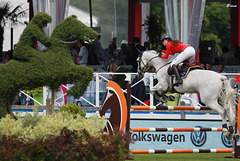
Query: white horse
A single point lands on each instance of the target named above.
(215, 90)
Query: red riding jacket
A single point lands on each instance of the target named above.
(172, 49)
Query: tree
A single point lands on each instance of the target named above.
(153, 28)
(217, 24)
(6, 15)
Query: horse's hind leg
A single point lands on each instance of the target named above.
(216, 107)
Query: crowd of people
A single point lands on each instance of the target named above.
(94, 54)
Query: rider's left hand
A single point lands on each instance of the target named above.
(160, 54)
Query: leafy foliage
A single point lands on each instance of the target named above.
(8, 15)
(218, 24)
(42, 127)
(72, 108)
(31, 120)
(31, 68)
(68, 146)
(153, 26)
(78, 30)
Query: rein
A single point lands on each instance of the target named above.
(163, 66)
(145, 65)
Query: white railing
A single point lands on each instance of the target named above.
(97, 88)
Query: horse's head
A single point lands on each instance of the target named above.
(151, 58)
(144, 63)
(71, 29)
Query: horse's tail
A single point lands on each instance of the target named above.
(229, 96)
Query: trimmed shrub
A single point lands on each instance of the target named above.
(51, 67)
(72, 108)
(42, 127)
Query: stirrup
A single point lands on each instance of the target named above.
(178, 82)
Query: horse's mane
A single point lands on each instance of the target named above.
(156, 53)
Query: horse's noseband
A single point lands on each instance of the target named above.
(144, 68)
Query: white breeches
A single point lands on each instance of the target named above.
(187, 55)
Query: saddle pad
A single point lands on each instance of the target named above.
(184, 71)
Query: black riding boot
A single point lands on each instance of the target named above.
(178, 78)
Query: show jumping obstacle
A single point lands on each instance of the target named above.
(153, 151)
(235, 151)
(170, 108)
(111, 93)
(212, 129)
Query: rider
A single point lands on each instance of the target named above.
(187, 53)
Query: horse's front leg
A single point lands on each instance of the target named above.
(159, 93)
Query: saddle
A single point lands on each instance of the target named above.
(185, 68)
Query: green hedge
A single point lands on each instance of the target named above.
(68, 146)
(61, 136)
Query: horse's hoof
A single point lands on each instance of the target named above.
(171, 98)
(163, 99)
(236, 137)
(228, 135)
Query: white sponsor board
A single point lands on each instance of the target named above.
(177, 140)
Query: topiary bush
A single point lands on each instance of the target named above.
(52, 67)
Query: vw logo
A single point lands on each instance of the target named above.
(198, 138)
(226, 142)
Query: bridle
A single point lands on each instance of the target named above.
(146, 66)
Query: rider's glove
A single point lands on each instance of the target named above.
(160, 54)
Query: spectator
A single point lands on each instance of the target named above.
(147, 45)
(128, 59)
(124, 53)
(6, 58)
(202, 65)
(220, 68)
(112, 53)
(146, 80)
(83, 53)
(236, 51)
(136, 52)
(114, 42)
(221, 57)
(208, 66)
(98, 48)
(74, 52)
(119, 79)
(92, 57)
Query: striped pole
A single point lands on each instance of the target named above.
(153, 151)
(170, 108)
(213, 129)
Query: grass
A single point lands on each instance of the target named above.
(183, 157)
